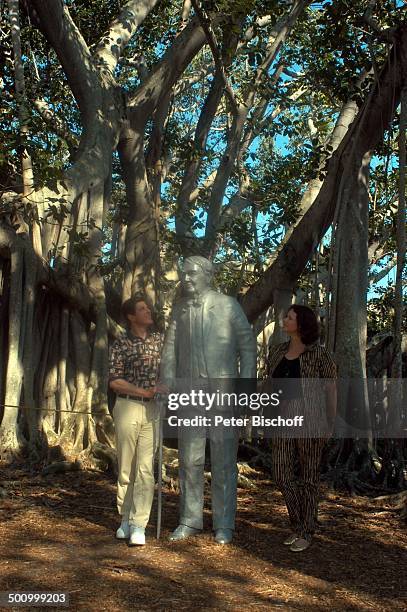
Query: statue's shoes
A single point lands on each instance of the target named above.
(182, 532)
(223, 536)
(124, 531)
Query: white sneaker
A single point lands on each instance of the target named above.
(137, 536)
(124, 530)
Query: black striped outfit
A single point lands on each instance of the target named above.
(301, 489)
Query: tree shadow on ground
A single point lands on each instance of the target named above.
(58, 533)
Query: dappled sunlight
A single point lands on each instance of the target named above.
(270, 137)
(65, 541)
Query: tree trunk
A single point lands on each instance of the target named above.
(142, 249)
(318, 204)
(10, 435)
(395, 389)
(349, 343)
(399, 305)
(281, 301)
(23, 115)
(28, 349)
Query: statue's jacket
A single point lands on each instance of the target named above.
(228, 345)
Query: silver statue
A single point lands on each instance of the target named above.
(208, 338)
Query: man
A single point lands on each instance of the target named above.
(207, 336)
(134, 362)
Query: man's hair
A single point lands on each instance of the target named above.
(129, 306)
(308, 326)
(205, 265)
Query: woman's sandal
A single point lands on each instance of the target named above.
(300, 544)
(291, 539)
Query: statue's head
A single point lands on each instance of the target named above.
(196, 274)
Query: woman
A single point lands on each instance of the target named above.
(303, 359)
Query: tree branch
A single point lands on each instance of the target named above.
(169, 69)
(375, 278)
(185, 84)
(55, 123)
(99, 106)
(386, 35)
(239, 120)
(236, 205)
(211, 38)
(319, 205)
(260, 22)
(54, 20)
(282, 31)
(184, 217)
(122, 29)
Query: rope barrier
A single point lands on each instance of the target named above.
(46, 411)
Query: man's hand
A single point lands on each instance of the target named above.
(121, 386)
(152, 392)
(149, 393)
(161, 388)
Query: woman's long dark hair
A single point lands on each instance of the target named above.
(308, 326)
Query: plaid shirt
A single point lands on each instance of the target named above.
(136, 360)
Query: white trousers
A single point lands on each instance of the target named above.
(136, 429)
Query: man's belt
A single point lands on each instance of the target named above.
(134, 398)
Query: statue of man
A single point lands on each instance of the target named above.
(209, 338)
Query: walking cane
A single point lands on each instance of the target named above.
(160, 470)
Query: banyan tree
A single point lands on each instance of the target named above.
(268, 136)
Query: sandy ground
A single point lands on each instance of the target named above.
(57, 534)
